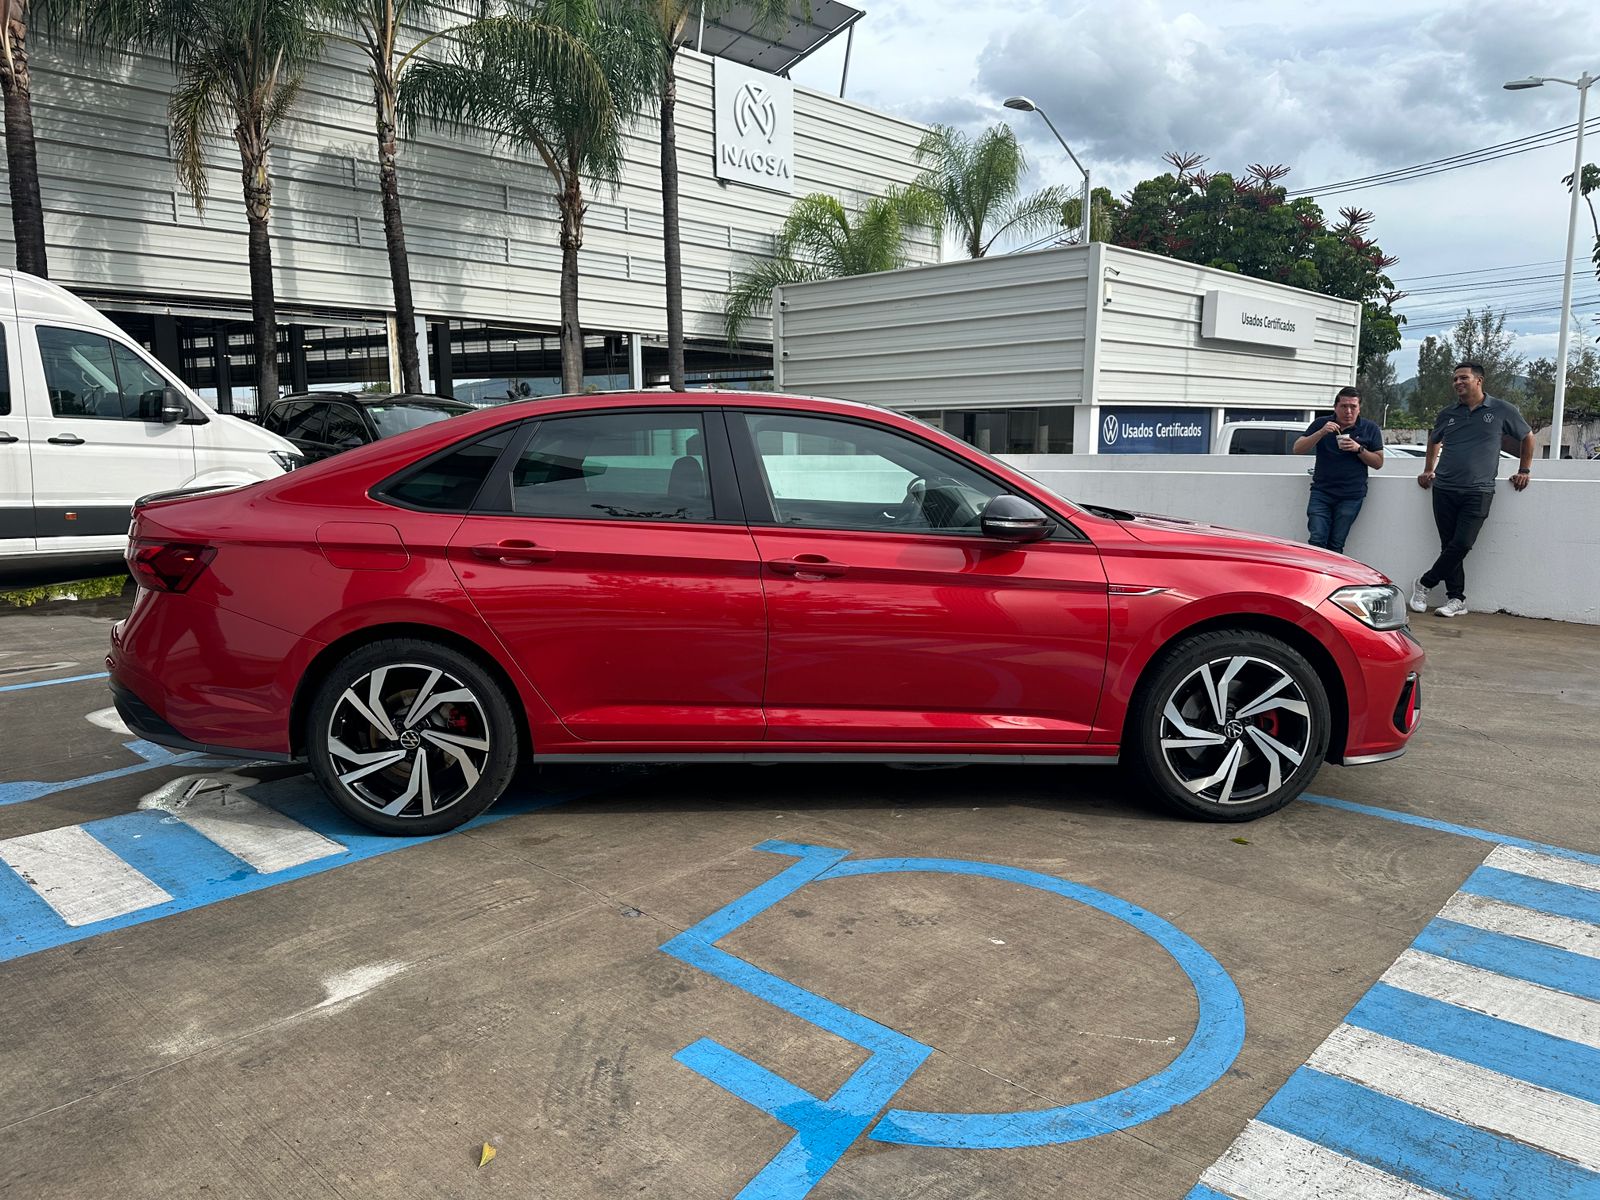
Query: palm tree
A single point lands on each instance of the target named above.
(238, 62)
(978, 182)
(669, 21)
(562, 78)
(821, 240)
(22, 157)
(376, 25)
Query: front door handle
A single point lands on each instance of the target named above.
(7, 438)
(809, 567)
(65, 439)
(513, 552)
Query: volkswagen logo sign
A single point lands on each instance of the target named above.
(753, 107)
(1233, 730)
(410, 739)
(1108, 429)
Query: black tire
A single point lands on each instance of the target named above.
(1262, 684)
(459, 724)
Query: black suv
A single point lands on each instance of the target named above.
(324, 423)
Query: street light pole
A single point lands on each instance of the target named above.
(1023, 104)
(1558, 409)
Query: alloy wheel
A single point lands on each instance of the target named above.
(1234, 729)
(408, 740)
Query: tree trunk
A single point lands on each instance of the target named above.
(253, 152)
(572, 213)
(671, 243)
(22, 158)
(394, 236)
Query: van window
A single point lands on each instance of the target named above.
(1263, 441)
(5, 376)
(90, 376)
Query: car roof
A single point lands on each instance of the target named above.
(387, 399)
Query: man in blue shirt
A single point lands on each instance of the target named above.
(1469, 434)
(1347, 447)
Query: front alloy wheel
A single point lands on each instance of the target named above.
(409, 737)
(1231, 726)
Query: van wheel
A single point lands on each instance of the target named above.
(410, 737)
(1229, 725)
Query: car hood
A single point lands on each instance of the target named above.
(1180, 534)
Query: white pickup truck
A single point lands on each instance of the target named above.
(89, 422)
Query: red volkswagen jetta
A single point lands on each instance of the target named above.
(734, 577)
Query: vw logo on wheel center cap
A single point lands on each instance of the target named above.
(410, 739)
(1234, 729)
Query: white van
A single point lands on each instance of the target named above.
(89, 422)
(1259, 437)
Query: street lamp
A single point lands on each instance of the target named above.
(1582, 83)
(1023, 104)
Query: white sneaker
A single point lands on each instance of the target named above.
(1419, 597)
(1451, 608)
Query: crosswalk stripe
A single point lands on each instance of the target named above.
(1545, 866)
(1498, 916)
(1520, 958)
(261, 836)
(1269, 1164)
(1528, 1004)
(1557, 899)
(78, 877)
(1451, 1088)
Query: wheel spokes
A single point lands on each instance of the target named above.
(1226, 754)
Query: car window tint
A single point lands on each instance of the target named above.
(617, 466)
(80, 375)
(305, 421)
(835, 474)
(5, 376)
(393, 419)
(345, 429)
(450, 482)
(1263, 441)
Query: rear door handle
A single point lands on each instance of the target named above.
(65, 439)
(513, 552)
(7, 438)
(809, 567)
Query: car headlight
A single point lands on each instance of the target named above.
(286, 460)
(1380, 605)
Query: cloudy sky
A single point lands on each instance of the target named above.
(1335, 92)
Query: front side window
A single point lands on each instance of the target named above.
(91, 376)
(827, 473)
(616, 466)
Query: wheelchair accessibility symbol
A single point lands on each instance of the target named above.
(825, 1128)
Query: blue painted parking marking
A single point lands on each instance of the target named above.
(39, 683)
(150, 754)
(825, 1128)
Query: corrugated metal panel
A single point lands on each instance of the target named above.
(480, 219)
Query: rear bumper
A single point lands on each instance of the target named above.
(141, 720)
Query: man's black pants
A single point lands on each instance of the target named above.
(1459, 516)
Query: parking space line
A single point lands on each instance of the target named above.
(261, 836)
(1270, 1164)
(22, 687)
(79, 878)
(1544, 866)
(1557, 899)
(1494, 995)
(1517, 955)
(1496, 916)
(1467, 831)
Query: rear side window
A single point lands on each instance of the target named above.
(5, 376)
(622, 466)
(303, 421)
(1263, 441)
(451, 481)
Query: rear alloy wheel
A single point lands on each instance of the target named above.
(1231, 725)
(409, 737)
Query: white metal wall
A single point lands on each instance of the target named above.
(996, 331)
(481, 222)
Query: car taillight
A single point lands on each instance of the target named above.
(168, 566)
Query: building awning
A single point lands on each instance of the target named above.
(738, 37)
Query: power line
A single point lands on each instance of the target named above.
(1553, 262)
(1510, 313)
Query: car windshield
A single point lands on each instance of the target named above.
(397, 418)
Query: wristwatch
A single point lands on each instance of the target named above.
(1522, 471)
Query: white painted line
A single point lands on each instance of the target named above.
(263, 837)
(78, 877)
(1485, 912)
(1269, 1164)
(1565, 1125)
(110, 719)
(1541, 1008)
(1551, 867)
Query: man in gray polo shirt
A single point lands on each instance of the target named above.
(1470, 433)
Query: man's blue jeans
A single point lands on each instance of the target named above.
(1328, 520)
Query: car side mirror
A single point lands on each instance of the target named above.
(1013, 519)
(174, 407)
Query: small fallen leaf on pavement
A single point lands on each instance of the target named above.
(486, 1155)
(1240, 841)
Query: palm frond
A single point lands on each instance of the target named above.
(194, 111)
(751, 293)
(1036, 213)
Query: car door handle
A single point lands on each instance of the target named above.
(809, 567)
(513, 552)
(7, 438)
(65, 439)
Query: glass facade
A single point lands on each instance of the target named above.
(1046, 430)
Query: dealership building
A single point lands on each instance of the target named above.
(481, 220)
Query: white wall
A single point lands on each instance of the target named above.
(1538, 554)
(481, 221)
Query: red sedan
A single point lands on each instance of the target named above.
(736, 577)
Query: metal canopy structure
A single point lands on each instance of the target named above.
(736, 36)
